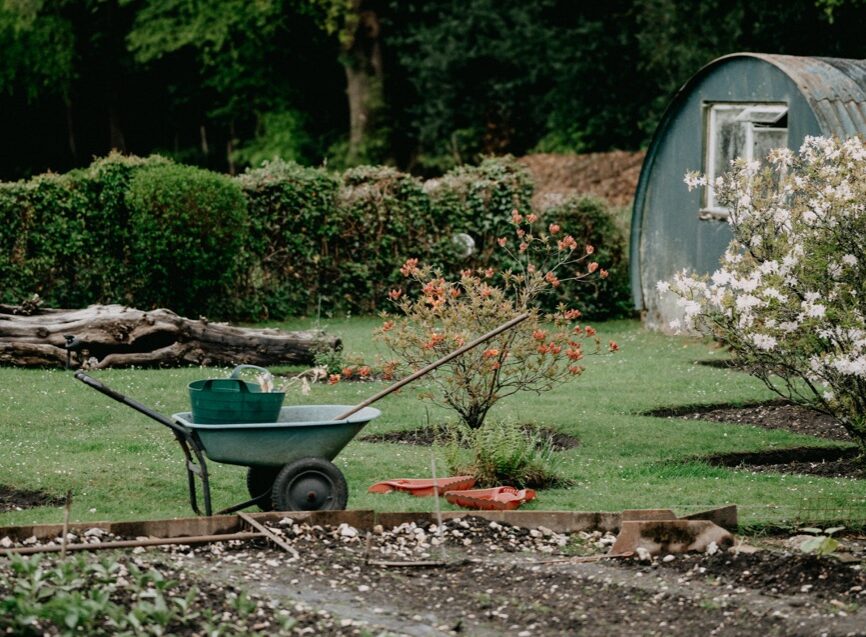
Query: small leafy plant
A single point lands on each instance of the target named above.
(823, 543)
(501, 452)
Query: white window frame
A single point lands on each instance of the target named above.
(755, 116)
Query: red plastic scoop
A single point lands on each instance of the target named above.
(420, 487)
(497, 498)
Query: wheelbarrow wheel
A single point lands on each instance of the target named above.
(310, 484)
(260, 482)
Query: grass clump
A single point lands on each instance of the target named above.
(501, 452)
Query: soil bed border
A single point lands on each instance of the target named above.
(558, 521)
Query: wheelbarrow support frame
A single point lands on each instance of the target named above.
(195, 463)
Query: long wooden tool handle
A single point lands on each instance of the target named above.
(432, 366)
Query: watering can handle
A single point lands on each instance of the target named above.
(432, 366)
(236, 372)
(206, 385)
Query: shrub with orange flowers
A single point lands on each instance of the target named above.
(536, 355)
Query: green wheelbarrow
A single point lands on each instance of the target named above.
(288, 461)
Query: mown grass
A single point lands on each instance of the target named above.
(56, 434)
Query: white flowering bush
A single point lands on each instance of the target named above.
(790, 295)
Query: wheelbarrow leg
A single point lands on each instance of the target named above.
(193, 468)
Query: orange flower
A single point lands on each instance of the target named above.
(592, 267)
(613, 347)
(553, 228)
(348, 372)
(551, 278)
(572, 314)
(542, 349)
(602, 273)
(333, 379)
(489, 272)
(410, 267)
(589, 249)
(553, 348)
(364, 371)
(522, 247)
(465, 273)
(434, 340)
(568, 243)
(589, 331)
(486, 291)
(491, 353)
(395, 294)
(387, 326)
(539, 335)
(520, 232)
(532, 217)
(574, 354)
(516, 217)
(455, 293)
(577, 370)
(502, 241)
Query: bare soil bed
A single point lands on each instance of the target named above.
(831, 462)
(427, 436)
(495, 579)
(17, 499)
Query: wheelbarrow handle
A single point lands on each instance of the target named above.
(144, 409)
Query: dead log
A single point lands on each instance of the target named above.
(117, 336)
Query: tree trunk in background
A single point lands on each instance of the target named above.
(116, 139)
(364, 75)
(118, 336)
(70, 129)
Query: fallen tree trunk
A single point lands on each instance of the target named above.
(117, 336)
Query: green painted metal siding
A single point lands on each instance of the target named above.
(667, 233)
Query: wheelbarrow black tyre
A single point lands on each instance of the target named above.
(260, 481)
(310, 484)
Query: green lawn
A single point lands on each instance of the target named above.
(56, 434)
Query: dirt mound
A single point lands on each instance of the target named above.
(612, 176)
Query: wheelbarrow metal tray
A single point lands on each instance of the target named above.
(301, 431)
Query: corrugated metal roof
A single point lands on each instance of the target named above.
(835, 88)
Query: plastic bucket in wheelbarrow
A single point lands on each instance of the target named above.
(222, 401)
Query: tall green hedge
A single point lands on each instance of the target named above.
(291, 217)
(277, 241)
(185, 225)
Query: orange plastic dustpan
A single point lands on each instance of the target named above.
(497, 498)
(421, 487)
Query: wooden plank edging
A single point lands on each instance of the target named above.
(363, 520)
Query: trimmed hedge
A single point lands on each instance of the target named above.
(185, 225)
(589, 220)
(277, 241)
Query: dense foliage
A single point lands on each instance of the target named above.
(277, 241)
(789, 296)
(423, 84)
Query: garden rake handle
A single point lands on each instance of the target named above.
(432, 366)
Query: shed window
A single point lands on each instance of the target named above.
(739, 130)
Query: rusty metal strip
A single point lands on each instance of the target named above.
(270, 535)
(123, 544)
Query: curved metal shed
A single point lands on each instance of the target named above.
(738, 103)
